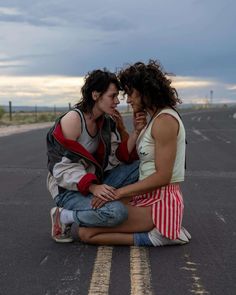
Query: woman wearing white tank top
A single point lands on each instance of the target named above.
(155, 203)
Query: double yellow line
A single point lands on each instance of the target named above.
(140, 274)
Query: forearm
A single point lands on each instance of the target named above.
(148, 184)
(140, 122)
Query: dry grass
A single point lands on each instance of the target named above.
(19, 118)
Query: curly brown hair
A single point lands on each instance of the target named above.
(152, 83)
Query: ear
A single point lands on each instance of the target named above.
(95, 95)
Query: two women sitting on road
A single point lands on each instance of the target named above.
(88, 146)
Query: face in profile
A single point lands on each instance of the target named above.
(134, 99)
(108, 101)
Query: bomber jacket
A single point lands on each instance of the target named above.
(72, 167)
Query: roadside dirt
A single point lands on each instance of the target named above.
(8, 130)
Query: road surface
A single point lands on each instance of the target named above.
(33, 264)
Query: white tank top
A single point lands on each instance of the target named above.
(146, 149)
(89, 142)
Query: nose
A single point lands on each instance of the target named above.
(128, 100)
(117, 101)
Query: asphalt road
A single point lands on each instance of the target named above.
(33, 264)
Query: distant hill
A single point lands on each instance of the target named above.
(32, 109)
(121, 107)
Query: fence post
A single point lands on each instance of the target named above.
(10, 110)
(35, 112)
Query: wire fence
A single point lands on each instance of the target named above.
(13, 114)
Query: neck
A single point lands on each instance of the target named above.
(94, 115)
(154, 112)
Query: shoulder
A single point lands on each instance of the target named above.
(166, 118)
(71, 125)
(71, 115)
(165, 126)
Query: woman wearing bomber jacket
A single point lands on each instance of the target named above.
(89, 156)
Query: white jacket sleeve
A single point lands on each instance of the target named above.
(71, 175)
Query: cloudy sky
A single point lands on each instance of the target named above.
(47, 46)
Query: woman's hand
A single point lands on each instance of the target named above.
(120, 125)
(139, 121)
(116, 115)
(98, 203)
(103, 192)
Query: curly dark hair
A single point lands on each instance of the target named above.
(97, 80)
(152, 83)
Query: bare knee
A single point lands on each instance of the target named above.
(85, 234)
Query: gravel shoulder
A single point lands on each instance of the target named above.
(14, 129)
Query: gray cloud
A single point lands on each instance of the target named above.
(11, 66)
(22, 57)
(111, 22)
(60, 37)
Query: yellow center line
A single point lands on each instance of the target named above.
(190, 266)
(99, 284)
(140, 273)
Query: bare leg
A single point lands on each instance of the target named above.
(139, 220)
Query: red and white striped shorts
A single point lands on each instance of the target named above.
(167, 208)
